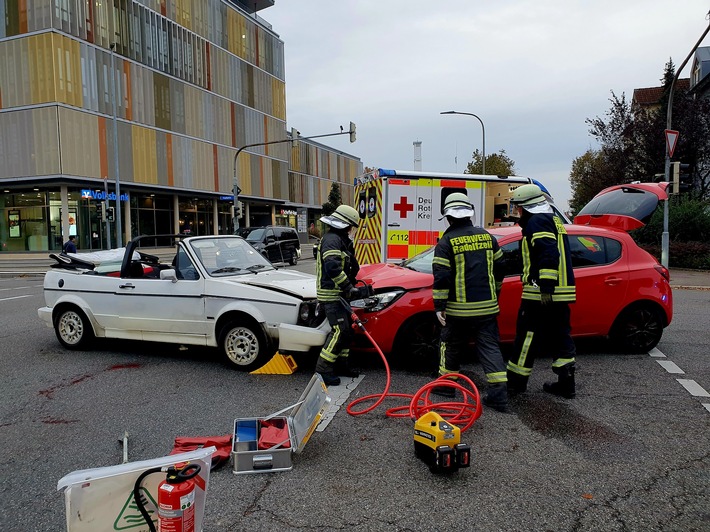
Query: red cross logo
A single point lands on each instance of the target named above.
(403, 207)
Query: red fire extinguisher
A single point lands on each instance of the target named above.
(176, 499)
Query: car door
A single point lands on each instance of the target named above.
(512, 290)
(271, 245)
(601, 275)
(160, 308)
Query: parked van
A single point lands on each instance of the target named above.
(275, 242)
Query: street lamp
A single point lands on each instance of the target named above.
(119, 238)
(483, 129)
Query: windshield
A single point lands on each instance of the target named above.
(228, 255)
(256, 235)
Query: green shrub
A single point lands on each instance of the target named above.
(688, 221)
(693, 255)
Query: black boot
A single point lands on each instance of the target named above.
(329, 378)
(564, 387)
(497, 398)
(342, 368)
(517, 384)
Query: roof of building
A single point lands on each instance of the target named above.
(652, 95)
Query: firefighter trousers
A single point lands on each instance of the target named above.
(454, 339)
(542, 330)
(337, 343)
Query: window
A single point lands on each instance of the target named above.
(512, 261)
(593, 250)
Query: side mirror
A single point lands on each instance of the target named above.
(169, 274)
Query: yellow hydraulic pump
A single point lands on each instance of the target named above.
(438, 443)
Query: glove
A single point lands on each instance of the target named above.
(441, 316)
(359, 292)
(545, 299)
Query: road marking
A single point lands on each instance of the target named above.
(15, 288)
(338, 394)
(670, 367)
(707, 406)
(693, 387)
(656, 353)
(16, 297)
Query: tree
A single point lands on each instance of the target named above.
(334, 200)
(496, 164)
(587, 177)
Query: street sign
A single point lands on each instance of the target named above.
(671, 141)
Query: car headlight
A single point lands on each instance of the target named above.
(378, 301)
(304, 313)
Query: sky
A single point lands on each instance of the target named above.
(532, 71)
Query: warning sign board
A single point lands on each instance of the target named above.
(671, 141)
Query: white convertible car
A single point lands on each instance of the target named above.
(218, 291)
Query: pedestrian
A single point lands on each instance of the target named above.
(69, 246)
(336, 269)
(543, 326)
(467, 280)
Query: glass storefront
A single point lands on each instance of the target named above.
(152, 214)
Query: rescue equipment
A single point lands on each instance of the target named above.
(176, 498)
(438, 443)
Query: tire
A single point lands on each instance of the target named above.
(244, 345)
(73, 328)
(293, 260)
(416, 346)
(638, 329)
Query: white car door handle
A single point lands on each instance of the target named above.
(129, 285)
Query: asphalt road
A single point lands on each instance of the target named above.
(630, 453)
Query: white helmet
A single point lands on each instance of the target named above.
(457, 205)
(531, 198)
(343, 217)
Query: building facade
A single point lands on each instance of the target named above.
(157, 97)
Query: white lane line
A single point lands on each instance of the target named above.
(694, 388)
(15, 288)
(338, 395)
(707, 406)
(655, 352)
(16, 297)
(670, 367)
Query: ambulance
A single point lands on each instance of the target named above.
(400, 210)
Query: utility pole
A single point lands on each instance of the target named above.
(294, 138)
(119, 238)
(664, 236)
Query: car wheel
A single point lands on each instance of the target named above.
(293, 260)
(244, 346)
(73, 328)
(638, 329)
(416, 346)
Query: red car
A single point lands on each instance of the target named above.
(622, 291)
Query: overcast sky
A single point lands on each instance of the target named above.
(533, 71)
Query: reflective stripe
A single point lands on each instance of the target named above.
(526, 348)
(548, 274)
(332, 253)
(498, 254)
(460, 281)
(560, 362)
(491, 278)
(520, 370)
(341, 279)
(441, 261)
(442, 359)
(441, 294)
(542, 234)
(327, 351)
(497, 377)
(472, 313)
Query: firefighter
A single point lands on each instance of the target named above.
(467, 280)
(336, 269)
(543, 326)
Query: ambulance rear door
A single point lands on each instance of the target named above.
(400, 204)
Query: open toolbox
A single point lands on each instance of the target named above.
(266, 444)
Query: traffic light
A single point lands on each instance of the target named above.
(682, 179)
(111, 214)
(102, 208)
(352, 132)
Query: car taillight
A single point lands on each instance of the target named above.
(663, 271)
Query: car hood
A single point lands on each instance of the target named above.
(301, 285)
(625, 207)
(389, 276)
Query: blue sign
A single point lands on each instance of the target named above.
(99, 195)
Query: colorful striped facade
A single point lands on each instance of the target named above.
(194, 81)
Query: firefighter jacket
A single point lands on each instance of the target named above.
(547, 262)
(466, 270)
(336, 266)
